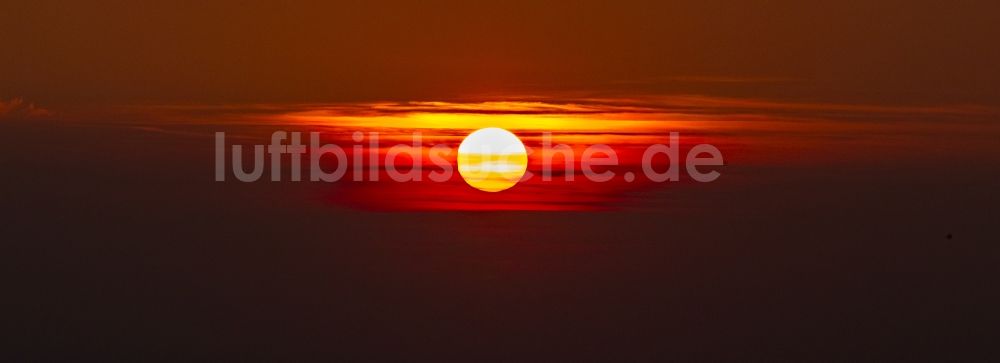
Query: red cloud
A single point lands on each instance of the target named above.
(17, 109)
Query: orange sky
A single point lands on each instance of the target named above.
(768, 81)
(60, 54)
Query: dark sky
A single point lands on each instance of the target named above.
(125, 52)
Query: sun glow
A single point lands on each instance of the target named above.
(492, 159)
(529, 116)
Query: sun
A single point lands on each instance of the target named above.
(492, 159)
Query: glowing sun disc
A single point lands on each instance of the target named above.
(492, 159)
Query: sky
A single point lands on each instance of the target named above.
(60, 54)
(854, 218)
